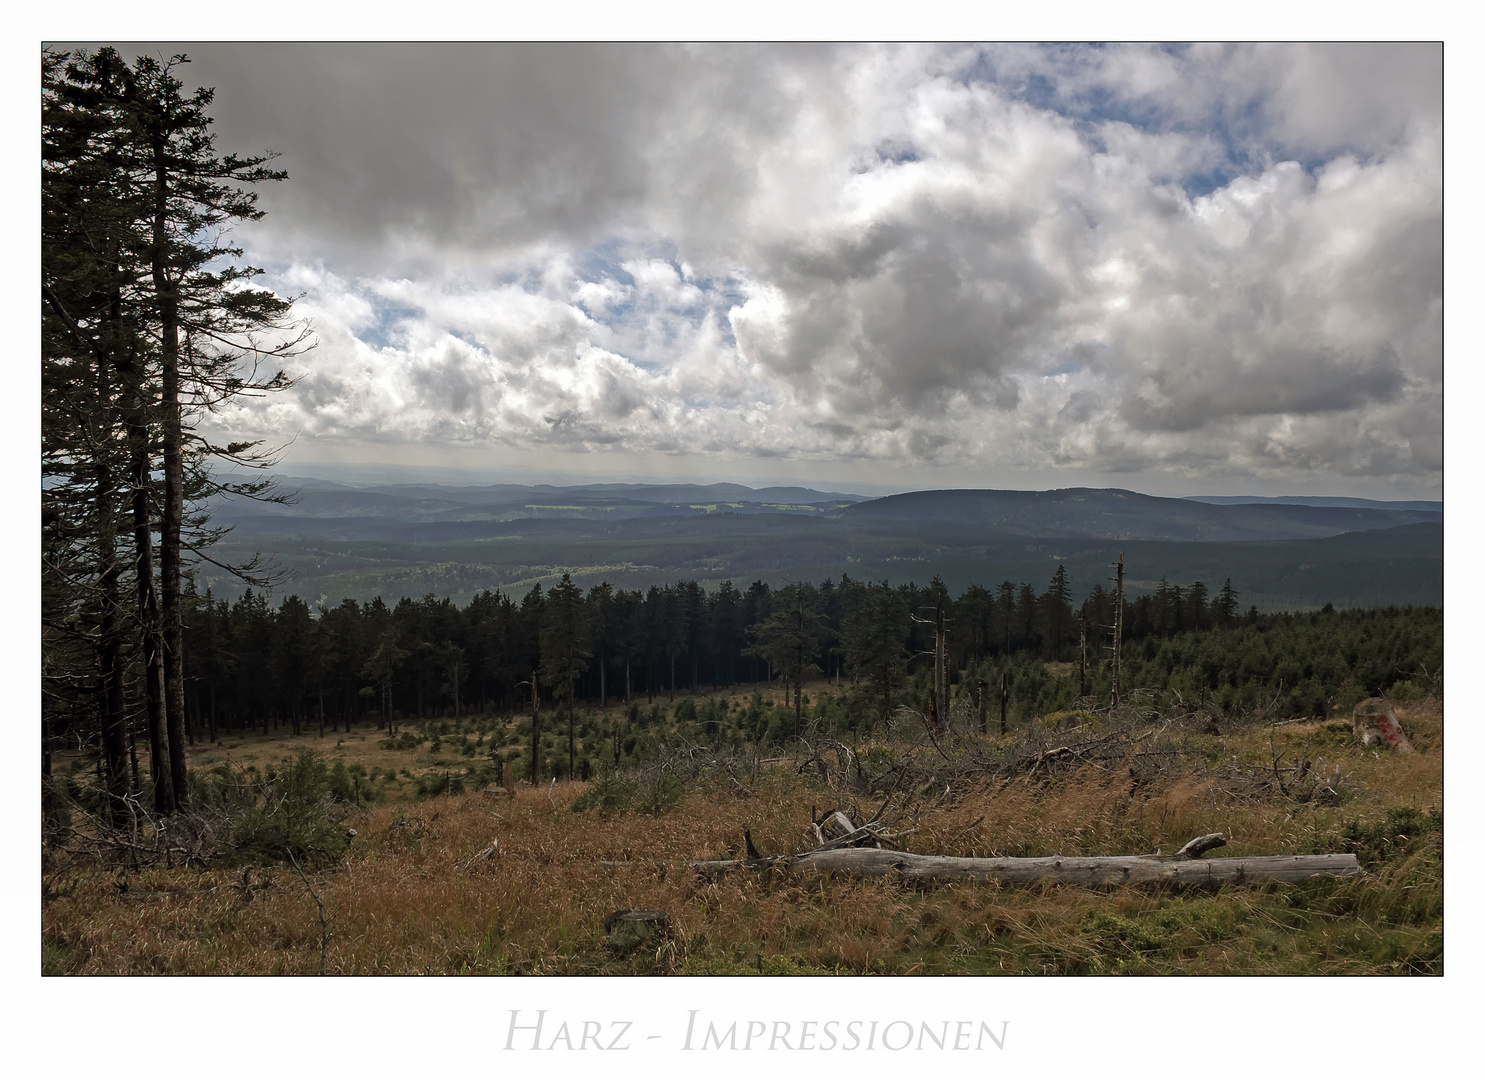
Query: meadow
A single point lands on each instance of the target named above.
(449, 872)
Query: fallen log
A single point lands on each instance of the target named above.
(1100, 870)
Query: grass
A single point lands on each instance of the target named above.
(414, 892)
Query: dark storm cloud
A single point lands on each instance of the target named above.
(414, 149)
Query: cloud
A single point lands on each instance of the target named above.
(1193, 261)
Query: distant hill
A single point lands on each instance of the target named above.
(429, 512)
(1114, 514)
(1317, 500)
(342, 540)
(319, 507)
(1358, 569)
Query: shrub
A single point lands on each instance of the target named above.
(658, 793)
(609, 792)
(1404, 831)
(430, 785)
(408, 740)
(293, 810)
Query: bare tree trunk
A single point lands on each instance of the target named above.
(144, 581)
(111, 679)
(940, 658)
(535, 732)
(133, 758)
(172, 510)
(154, 675)
(1005, 694)
(1082, 656)
(799, 669)
(1118, 623)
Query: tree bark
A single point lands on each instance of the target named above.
(173, 508)
(535, 732)
(1118, 625)
(111, 680)
(154, 675)
(1005, 693)
(1082, 656)
(940, 658)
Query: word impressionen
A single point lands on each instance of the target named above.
(533, 1031)
(842, 1034)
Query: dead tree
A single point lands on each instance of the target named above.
(1118, 622)
(1186, 867)
(938, 695)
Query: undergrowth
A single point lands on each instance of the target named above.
(497, 881)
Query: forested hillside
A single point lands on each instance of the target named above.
(1114, 514)
(252, 665)
(363, 559)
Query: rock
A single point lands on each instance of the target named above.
(631, 930)
(1374, 722)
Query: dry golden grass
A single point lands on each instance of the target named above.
(413, 894)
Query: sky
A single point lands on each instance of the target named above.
(1209, 269)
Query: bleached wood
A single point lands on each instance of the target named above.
(1054, 869)
(1194, 848)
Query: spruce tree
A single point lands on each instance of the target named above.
(565, 637)
(1225, 607)
(1058, 601)
(139, 282)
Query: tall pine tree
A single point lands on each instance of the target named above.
(140, 286)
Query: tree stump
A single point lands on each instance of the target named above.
(631, 930)
(1374, 722)
(836, 825)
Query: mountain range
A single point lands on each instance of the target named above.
(334, 540)
(425, 512)
(1111, 513)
